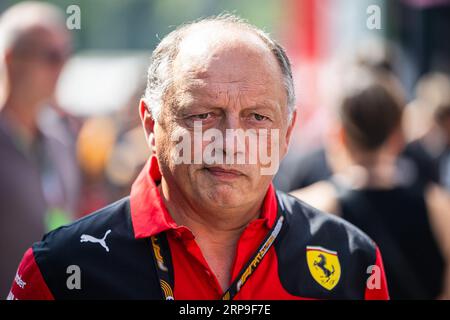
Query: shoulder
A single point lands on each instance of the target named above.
(43, 271)
(97, 257)
(321, 255)
(114, 216)
(91, 243)
(302, 216)
(321, 195)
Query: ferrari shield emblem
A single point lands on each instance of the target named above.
(324, 266)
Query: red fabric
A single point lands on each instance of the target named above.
(193, 277)
(149, 214)
(29, 283)
(381, 292)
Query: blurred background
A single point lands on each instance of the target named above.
(70, 134)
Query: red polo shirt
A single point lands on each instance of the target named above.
(193, 278)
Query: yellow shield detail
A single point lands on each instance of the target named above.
(324, 266)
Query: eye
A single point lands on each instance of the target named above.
(259, 117)
(202, 116)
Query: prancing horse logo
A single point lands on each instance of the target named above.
(102, 242)
(324, 266)
(321, 263)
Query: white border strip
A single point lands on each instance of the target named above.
(321, 249)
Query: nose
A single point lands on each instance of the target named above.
(232, 130)
(232, 121)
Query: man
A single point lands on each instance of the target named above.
(203, 229)
(36, 168)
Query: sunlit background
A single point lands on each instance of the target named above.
(95, 110)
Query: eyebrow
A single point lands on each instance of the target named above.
(184, 108)
(207, 98)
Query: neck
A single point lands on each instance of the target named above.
(216, 231)
(375, 171)
(22, 113)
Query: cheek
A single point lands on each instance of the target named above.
(271, 146)
(161, 148)
(174, 145)
(43, 76)
(24, 73)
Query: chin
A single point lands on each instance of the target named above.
(224, 196)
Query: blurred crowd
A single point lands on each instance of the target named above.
(55, 167)
(384, 168)
(384, 164)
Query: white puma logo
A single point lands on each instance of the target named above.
(19, 281)
(88, 238)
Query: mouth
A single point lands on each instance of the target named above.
(223, 173)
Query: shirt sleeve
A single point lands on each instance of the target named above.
(28, 283)
(376, 285)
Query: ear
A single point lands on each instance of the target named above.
(148, 124)
(7, 60)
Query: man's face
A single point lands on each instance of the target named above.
(234, 84)
(36, 63)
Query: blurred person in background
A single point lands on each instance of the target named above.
(425, 157)
(129, 153)
(111, 151)
(444, 163)
(95, 143)
(427, 129)
(38, 185)
(410, 224)
(301, 169)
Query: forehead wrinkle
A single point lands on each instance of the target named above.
(231, 96)
(227, 101)
(198, 76)
(219, 72)
(217, 90)
(213, 86)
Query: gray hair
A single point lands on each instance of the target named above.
(17, 21)
(159, 75)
